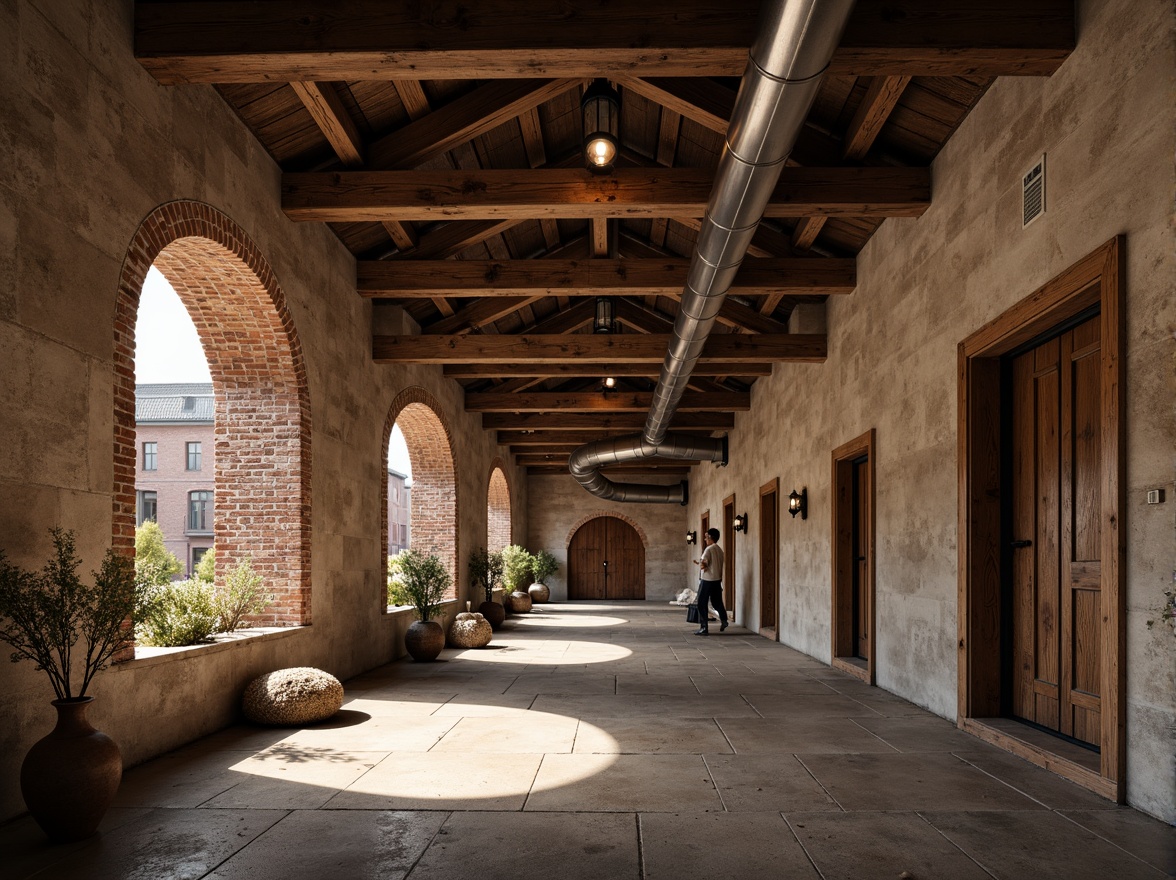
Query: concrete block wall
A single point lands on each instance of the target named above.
(1105, 121)
(93, 146)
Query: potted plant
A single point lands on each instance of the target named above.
(425, 582)
(70, 777)
(543, 566)
(486, 572)
(516, 573)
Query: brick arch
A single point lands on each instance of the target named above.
(433, 499)
(498, 508)
(599, 513)
(262, 405)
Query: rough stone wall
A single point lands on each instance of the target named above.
(561, 504)
(1105, 119)
(93, 146)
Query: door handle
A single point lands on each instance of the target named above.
(1017, 545)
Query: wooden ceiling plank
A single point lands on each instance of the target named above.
(599, 236)
(601, 422)
(462, 120)
(403, 235)
(590, 369)
(412, 96)
(879, 102)
(705, 101)
(657, 276)
(602, 401)
(482, 311)
(356, 196)
(651, 470)
(532, 132)
(805, 233)
(332, 118)
(210, 41)
(618, 348)
(453, 238)
(558, 437)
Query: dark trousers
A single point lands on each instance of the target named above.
(710, 591)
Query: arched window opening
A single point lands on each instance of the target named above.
(255, 502)
(498, 527)
(432, 501)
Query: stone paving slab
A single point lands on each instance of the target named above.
(685, 846)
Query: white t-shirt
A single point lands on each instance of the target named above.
(713, 557)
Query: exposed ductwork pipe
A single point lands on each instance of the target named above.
(796, 40)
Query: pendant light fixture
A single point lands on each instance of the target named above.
(600, 110)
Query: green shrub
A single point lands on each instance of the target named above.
(206, 567)
(543, 566)
(425, 581)
(177, 613)
(486, 570)
(396, 592)
(154, 563)
(516, 568)
(240, 595)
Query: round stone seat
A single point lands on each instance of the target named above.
(289, 697)
(470, 630)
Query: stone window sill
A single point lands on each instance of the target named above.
(146, 656)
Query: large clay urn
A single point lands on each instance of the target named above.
(494, 613)
(540, 593)
(518, 602)
(424, 640)
(70, 777)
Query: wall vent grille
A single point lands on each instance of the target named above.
(1033, 192)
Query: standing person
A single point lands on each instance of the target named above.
(710, 583)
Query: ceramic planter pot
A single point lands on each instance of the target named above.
(494, 613)
(540, 593)
(424, 640)
(518, 602)
(70, 777)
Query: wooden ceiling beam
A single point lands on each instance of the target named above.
(589, 369)
(651, 469)
(552, 459)
(602, 423)
(357, 196)
(484, 311)
(214, 41)
(326, 108)
(558, 437)
(602, 401)
(423, 279)
(450, 239)
(728, 348)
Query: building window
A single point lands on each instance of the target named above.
(197, 555)
(194, 456)
(147, 507)
(199, 511)
(151, 456)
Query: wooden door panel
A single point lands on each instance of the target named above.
(600, 540)
(730, 537)
(586, 555)
(861, 552)
(626, 561)
(768, 560)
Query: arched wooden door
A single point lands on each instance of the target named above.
(606, 560)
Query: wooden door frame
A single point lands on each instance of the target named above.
(843, 563)
(772, 485)
(1096, 280)
(729, 555)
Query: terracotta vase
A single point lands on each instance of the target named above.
(494, 613)
(518, 602)
(70, 777)
(540, 593)
(424, 640)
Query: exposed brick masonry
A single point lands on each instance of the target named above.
(497, 509)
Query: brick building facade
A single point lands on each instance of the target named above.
(175, 469)
(399, 530)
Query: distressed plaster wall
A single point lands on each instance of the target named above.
(560, 503)
(93, 144)
(1105, 119)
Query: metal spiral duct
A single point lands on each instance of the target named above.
(796, 40)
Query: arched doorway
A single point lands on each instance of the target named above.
(606, 560)
(433, 499)
(498, 530)
(261, 402)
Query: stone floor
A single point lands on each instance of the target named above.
(596, 740)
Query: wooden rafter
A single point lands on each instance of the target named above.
(522, 439)
(211, 41)
(610, 401)
(453, 238)
(354, 196)
(590, 369)
(600, 422)
(419, 279)
(618, 348)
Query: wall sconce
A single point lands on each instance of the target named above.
(798, 503)
(691, 537)
(600, 110)
(603, 322)
(740, 523)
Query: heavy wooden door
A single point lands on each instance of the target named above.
(1056, 538)
(769, 563)
(861, 558)
(729, 536)
(606, 560)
